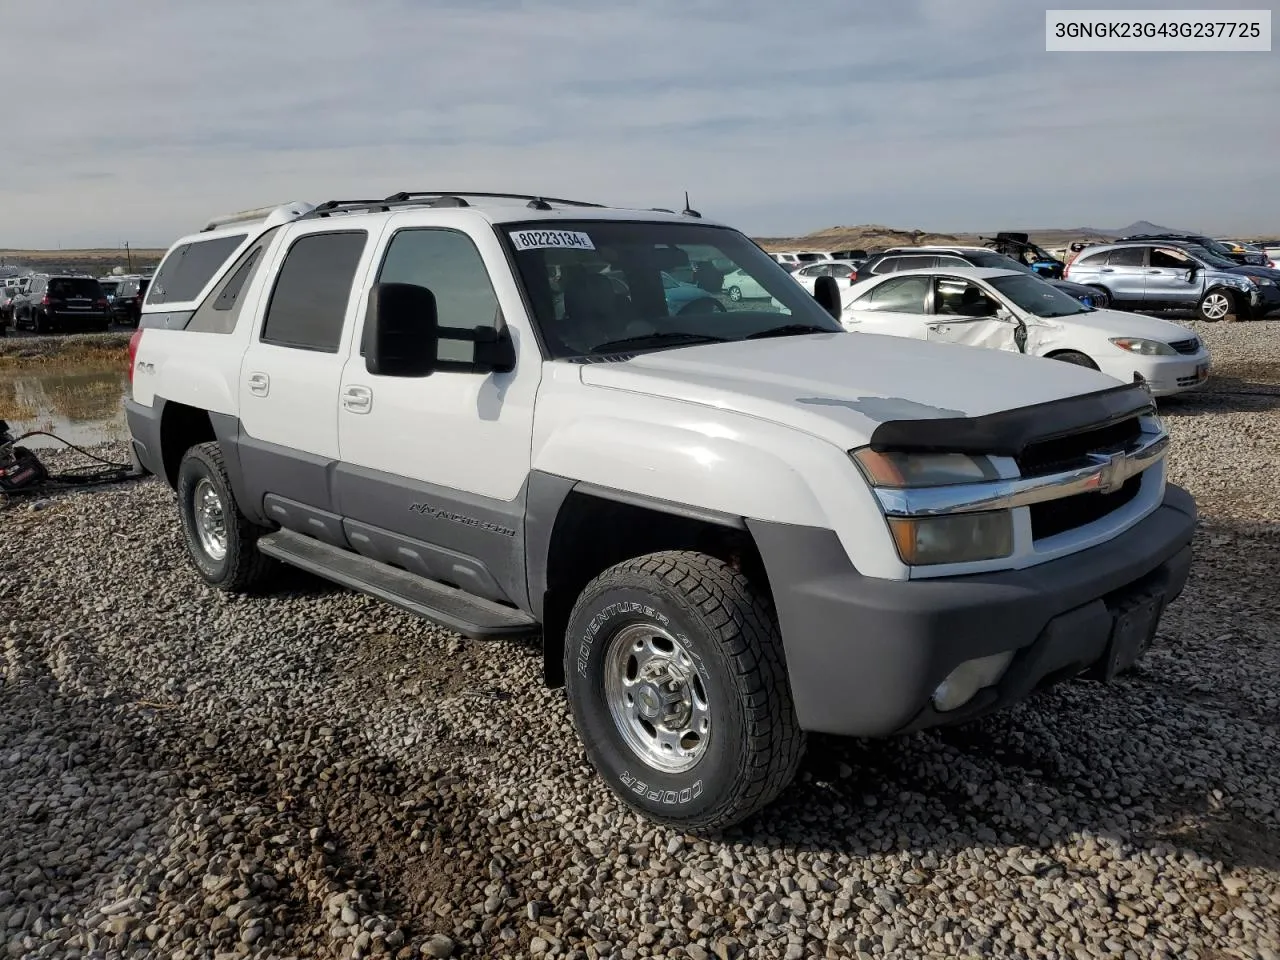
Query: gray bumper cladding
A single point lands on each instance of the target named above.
(864, 655)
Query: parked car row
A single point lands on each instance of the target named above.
(56, 303)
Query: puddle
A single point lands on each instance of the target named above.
(83, 408)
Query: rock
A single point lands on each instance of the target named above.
(437, 946)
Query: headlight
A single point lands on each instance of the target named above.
(1263, 282)
(1148, 348)
(922, 469)
(963, 538)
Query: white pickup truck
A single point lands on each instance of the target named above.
(731, 523)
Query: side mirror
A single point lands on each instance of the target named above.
(401, 331)
(402, 337)
(827, 292)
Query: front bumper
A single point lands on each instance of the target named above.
(1170, 375)
(865, 655)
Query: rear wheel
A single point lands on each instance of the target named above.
(1215, 305)
(679, 691)
(221, 541)
(735, 294)
(1076, 357)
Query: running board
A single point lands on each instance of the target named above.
(469, 615)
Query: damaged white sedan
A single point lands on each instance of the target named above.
(1013, 311)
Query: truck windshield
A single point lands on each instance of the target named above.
(602, 286)
(1038, 297)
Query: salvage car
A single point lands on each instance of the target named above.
(1177, 276)
(729, 529)
(1008, 310)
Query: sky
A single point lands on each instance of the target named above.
(137, 120)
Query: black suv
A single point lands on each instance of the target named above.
(63, 303)
(1213, 246)
(919, 258)
(126, 305)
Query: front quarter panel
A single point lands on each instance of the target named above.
(708, 459)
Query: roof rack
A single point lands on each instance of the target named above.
(437, 198)
(270, 216)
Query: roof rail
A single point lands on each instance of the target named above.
(435, 198)
(270, 216)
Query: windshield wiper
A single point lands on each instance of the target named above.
(789, 330)
(657, 340)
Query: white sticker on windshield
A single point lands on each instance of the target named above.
(543, 239)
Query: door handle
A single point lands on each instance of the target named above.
(259, 384)
(1107, 270)
(357, 399)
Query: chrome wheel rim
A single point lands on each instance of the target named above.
(210, 519)
(1216, 306)
(656, 698)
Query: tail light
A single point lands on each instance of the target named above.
(101, 303)
(134, 342)
(44, 301)
(853, 274)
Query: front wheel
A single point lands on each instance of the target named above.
(221, 541)
(678, 688)
(1214, 306)
(735, 294)
(1102, 297)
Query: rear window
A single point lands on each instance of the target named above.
(75, 287)
(188, 268)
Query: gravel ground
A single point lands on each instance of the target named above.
(184, 774)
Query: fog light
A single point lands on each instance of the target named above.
(964, 682)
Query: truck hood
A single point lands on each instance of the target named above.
(841, 386)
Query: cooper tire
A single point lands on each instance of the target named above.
(750, 746)
(1215, 305)
(237, 567)
(1076, 357)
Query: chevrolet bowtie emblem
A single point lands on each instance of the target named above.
(1111, 471)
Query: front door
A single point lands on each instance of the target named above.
(434, 468)
(1173, 278)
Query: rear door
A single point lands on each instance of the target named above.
(965, 312)
(896, 307)
(1124, 274)
(1170, 279)
(289, 376)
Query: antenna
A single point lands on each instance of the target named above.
(688, 211)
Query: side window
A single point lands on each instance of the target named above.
(309, 301)
(961, 298)
(916, 262)
(899, 295)
(1170, 258)
(220, 311)
(448, 264)
(1097, 259)
(189, 267)
(887, 265)
(950, 261)
(1126, 257)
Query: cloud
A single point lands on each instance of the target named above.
(776, 118)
